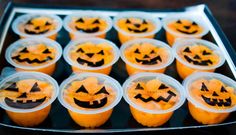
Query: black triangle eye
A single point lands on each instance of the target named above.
(137, 51)
(101, 52)
(47, 23)
(12, 87)
(204, 87)
(29, 22)
(152, 52)
(81, 89)
(46, 51)
(205, 53)
(96, 21)
(139, 87)
(223, 89)
(102, 90)
(80, 20)
(144, 22)
(35, 88)
(194, 23)
(80, 50)
(128, 21)
(163, 86)
(25, 50)
(187, 50)
(179, 22)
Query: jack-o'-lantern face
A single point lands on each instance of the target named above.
(38, 25)
(184, 26)
(92, 55)
(146, 54)
(135, 25)
(26, 94)
(88, 24)
(89, 94)
(213, 93)
(153, 94)
(34, 55)
(199, 55)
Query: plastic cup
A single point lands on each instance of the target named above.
(211, 97)
(85, 60)
(153, 97)
(90, 98)
(125, 35)
(27, 97)
(173, 34)
(20, 22)
(16, 54)
(96, 28)
(185, 68)
(148, 49)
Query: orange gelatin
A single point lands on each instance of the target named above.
(152, 95)
(33, 56)
(134, 26)
(92, 55)
(28, 94)
(88, 25)
(198, 55)
(146, 55)
(182, 27)
(37, 26)
(212, 94)
(89, 94)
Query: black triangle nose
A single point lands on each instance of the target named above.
(23, 95)
(90, 54)
(146, 56)
(37, 28)
(187, 27)
(137, 25)
(215, 94)
(196, 57)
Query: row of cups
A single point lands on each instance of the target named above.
(91, 29)
(184, 68)
(91, 97)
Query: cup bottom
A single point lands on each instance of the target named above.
(131, 70)
(90, 120)
(106, 70)
(47, 70)
(53, 37)
(30, 119)
(125, 38)
(150, 120)
(74, 37)
(206, 117)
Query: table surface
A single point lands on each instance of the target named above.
(223, 10)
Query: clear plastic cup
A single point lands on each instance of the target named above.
(193, 53)
(153, 97)
(27, 58)
(139, 53)
(27, 97)
(211, 97)
(39, 27)
(196, 29)
(99, 26)
(90, 98)
(153, 25)
(86, 58)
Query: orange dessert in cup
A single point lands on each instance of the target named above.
(153, 97)
(183, 26)
(146, 55)
(91, 55)
(131, 25)
(34, 54)
(90, 98)
(194, 55)
(211, 97)
(37, 25)
(27, 97)
(87, 24)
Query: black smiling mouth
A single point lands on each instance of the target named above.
(17, 58)
(86, 104)
(89, 63)
(218, 102)
(201, 63)
(28, 104)
(186, 32)
(138, 31)
(35, 32)
(149, 62)
(93, 30)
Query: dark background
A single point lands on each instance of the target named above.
(223, 10)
